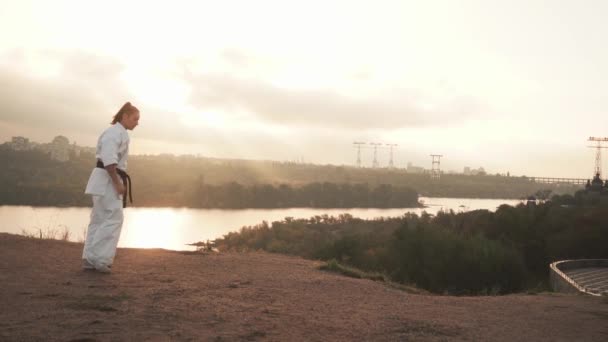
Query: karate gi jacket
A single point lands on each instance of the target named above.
(112, 148)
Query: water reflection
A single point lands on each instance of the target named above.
(174, 228)
(151, 228)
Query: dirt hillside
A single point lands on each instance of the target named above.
(159, 295)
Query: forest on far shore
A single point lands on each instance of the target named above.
(33, 178)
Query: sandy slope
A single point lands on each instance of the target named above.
(163, 295)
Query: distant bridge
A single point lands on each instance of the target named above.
(549, 180)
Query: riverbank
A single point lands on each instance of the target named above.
(156, 294)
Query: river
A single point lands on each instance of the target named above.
(174, 228)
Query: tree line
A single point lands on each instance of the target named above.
(31, 178)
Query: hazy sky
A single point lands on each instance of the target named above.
(513, 86)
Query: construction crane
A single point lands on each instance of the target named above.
(598, 154)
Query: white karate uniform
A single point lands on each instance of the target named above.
(107, 216)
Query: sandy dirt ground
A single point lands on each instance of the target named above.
(159, 295)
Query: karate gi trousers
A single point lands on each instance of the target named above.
(104, 228)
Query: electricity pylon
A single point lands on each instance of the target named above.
(436, 169)
(358, 146)
(598, 154)
(390, 162)
(375, 162)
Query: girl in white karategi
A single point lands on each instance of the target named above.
(107, 188)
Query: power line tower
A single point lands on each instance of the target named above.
(391, 165)
(598, 154)
(358, 147)
(375, 162)
(436, 169)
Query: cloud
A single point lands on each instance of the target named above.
(82, 93)
(85, 91)
(325, 108)
(79, 98)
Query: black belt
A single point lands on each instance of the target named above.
(126, 180)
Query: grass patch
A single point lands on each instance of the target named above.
(98, 303)
(92, 307)
(62, 233)
(336, 267)
(407, 288)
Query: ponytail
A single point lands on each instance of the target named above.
(127, 108)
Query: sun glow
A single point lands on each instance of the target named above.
(156, 89)
(151, 228)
